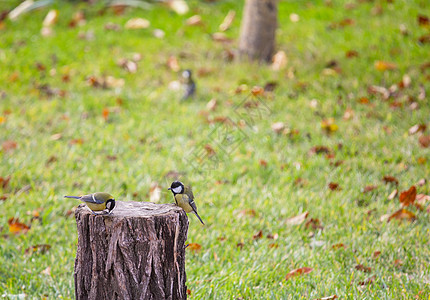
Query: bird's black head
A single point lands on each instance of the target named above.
(177, 187)
(110, 204)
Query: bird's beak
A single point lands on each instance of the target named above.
(169, 189)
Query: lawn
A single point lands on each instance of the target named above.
(339, 119)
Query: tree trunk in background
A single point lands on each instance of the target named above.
(259, 23)
(137, 252)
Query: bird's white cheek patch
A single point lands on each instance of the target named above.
(177, 190)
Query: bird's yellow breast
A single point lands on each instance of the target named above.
(183, 201)
(96, 207)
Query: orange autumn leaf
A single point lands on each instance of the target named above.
(105, 113)
(408, 197)
(363, 268)
(334, 186)
(194, 247)
(402, 214)
(17, 227)
(2, 119)
(257, 91)
(369, 188)
(4, 181)
(263, 163)
(258, 235)
(390, 179)
(424, 141)
(298, 272)
(338, 246)
(384, 66)
(76, 141)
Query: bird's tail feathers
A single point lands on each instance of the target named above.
(200, 219)
(74, 197)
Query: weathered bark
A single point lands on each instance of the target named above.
(258, 28)
(137, 252)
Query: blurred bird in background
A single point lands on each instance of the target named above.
(188, 84)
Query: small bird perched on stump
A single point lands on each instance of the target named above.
(184, 198)
(97, 201)
(188, 85)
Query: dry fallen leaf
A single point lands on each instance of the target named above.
(376, 254)
(173, 64)
(417, 128)
(278, 127)
(257, 91)
(297, 272)
(314, 224)
(332, 297)
(319, 150)
(40, 249)
(105, 113)
(338, 246)
(384, 66)
(363, 268)
(297, 220)
(369, 188)
(154, 192)
(4, 181)
(390, 179)
(221, 37)
(423, 20)
(47, 271)
(16, 227)
(402, 214)
(328, 125)
(367, 281)
(408, 197)
(392, 195)
(279, 61)
(258, 235)
(194, 247)
(424, 141)
(9, 145)
(294, 18)
(247, 212)
(334, 186)
(178, 6)
(137, 23)
(78, 141)
(228, 20)
(211, 105)
(51, 18)
(195, 20)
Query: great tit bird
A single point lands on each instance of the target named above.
(97, 201)
(188, 84)
(184, 198)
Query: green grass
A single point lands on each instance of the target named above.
(151, 133)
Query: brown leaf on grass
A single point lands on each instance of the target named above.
(263, 163)
(369, 188)
(392, 195)
(408, 197)
(9, 145)
(341, 24)
(421, 160)
(297, 220)
(367, 281)
(417, 128)
(16, 227)
(257, 91)
(314, 224)
(424, 141)
(363, 268)
(4, 181)
(51, 18)
(298, 272)
(173, 64)
(351, 54)
(4, 197)
(384, 66)
(78, 141)
(188, 292)
(402, 214)
(338, 246)
(78, 19)
(398, 263)
(46, 271)
(258, 235)
(390, 179)
(240, 245)
(272, 236)
(154, 192)
(422, 199)
(194, 247)
(334, 186)
(319, 150)
(212, 104)
(376, 254)
(273, 245)
(228, 20)
(209, 150)
(423, 20)
(39, 249)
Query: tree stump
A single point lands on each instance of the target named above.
(258, 28)
(137, 252)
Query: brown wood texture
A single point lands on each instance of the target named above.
(137, 252)
(258, 28)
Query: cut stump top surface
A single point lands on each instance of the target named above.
(134, 209)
